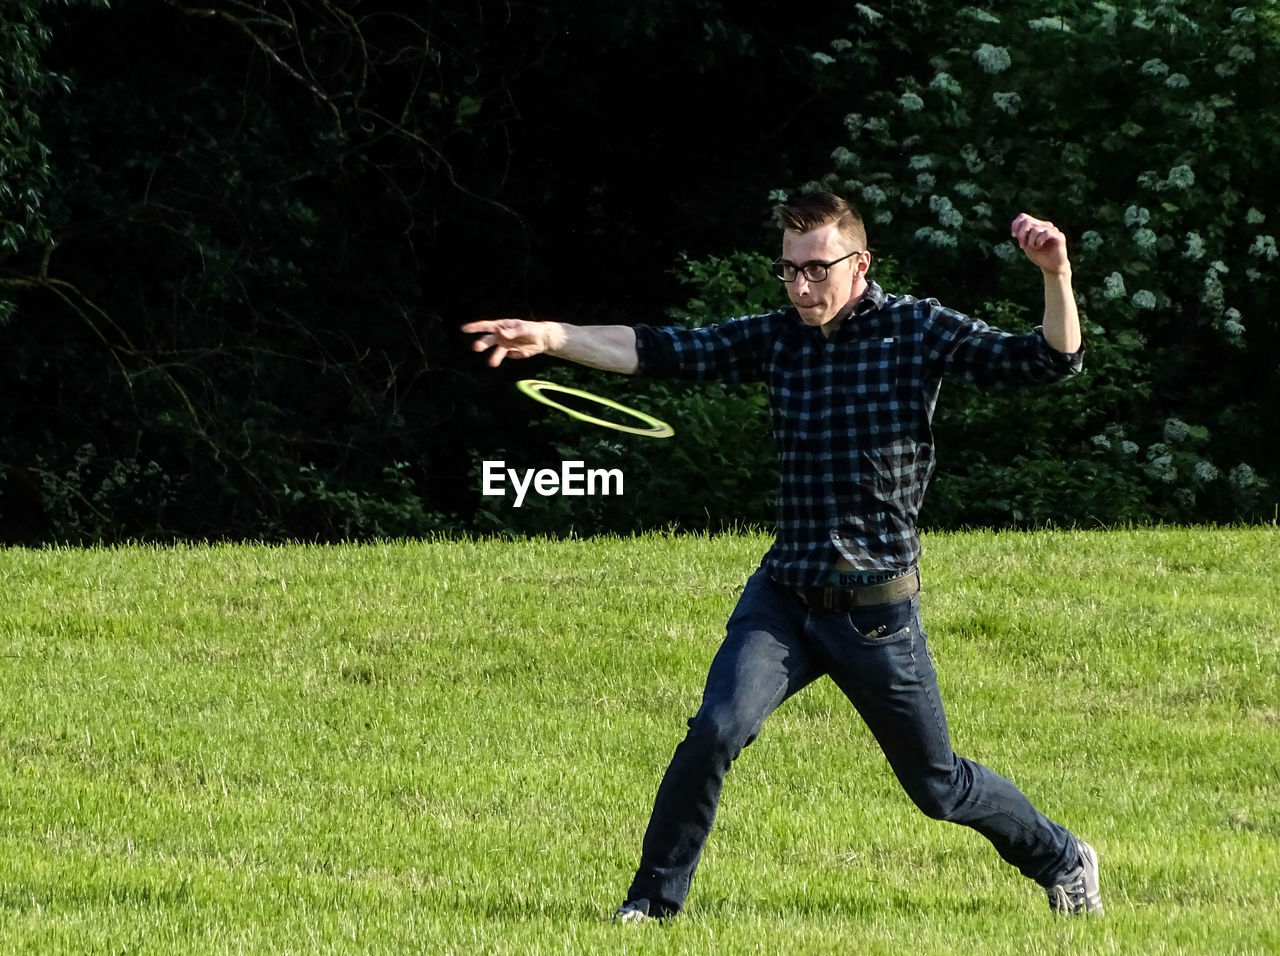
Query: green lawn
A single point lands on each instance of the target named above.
(452, 748)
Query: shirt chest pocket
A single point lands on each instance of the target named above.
(847, 376)
(869, 368)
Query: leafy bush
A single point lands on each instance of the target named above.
(1134, 127)
(24, 158)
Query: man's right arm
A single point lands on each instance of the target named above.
(608, 347)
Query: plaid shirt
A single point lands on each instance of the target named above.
(852, 414)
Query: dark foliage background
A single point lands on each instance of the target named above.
(237, 239)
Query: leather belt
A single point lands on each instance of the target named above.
(844, 599)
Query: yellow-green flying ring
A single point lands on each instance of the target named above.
(535, 387)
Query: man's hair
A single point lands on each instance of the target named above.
(814, 210)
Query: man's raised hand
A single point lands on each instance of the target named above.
(1043, 243)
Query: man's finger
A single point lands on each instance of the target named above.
(489, 325)
(1027, 225)
(1037, 237)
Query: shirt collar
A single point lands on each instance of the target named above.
(872, 300)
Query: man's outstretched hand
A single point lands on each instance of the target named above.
(509, 338)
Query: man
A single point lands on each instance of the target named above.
(853, 376)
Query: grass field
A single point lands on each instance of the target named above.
(453, 748)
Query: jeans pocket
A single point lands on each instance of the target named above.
(891, 637)
(884, 623)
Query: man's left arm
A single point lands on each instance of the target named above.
(1046, 247)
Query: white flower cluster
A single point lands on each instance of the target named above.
(1050, 23)
(1006, 251)
(1245, 484)
(1233, 327)
(1175, 430)
(873, 195)
(822, 59)
(972, 161)
(843, 157)
(982, 210)
(968, 190)
(1205, 472)
(1144, 299)
(1241, 54)
(993, 59)
(1136, 216)
(946, 83)
(1245, 479)
(926, 182)
(1007, 102)
(1160, 464)
(1156, 67)
(1177, 81)
(1254, 218)
(1195, 246)
(1202, 116)
(921, 162)
(1114, 433)
(1113, 286)
(1212, 293)
(910, 102)
(1180, 177)
(1264, 247)
(936, 237)
(948, 216)
(1145, 239)
(840, 45)
(872, 16)
(1091, 241)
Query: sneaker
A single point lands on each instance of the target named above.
(633, 911)
(1078, 893)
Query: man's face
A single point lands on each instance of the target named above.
(820, 302)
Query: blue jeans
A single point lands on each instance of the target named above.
(776, 645)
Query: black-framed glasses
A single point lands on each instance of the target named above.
(814, 271)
